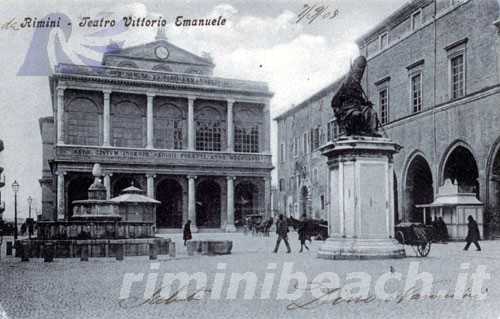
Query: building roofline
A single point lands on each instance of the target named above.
(316, 96)
(392, 20)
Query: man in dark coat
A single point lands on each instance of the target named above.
(187, 232)
(282, 231)
(303, 232)
(472, 234)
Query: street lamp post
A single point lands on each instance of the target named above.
(30, 226)
(15, 189)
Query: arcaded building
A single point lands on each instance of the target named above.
(433, 74)
(154, 116)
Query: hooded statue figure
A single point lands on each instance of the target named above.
(352, 109)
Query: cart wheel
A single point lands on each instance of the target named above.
(424, 249)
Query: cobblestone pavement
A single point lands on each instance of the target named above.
(68, 288)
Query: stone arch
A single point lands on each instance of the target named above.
(81, 122)
(169, 126)
(169, 213)
(492, 189)
(417, 186)
(121, 182)
(77, 189)
(208, 203)
(459, 165)
(246, 199)
(128, 124)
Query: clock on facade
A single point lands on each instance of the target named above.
(161, 52)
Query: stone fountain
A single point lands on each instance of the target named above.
(99, 225)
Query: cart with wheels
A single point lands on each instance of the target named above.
(418, 236)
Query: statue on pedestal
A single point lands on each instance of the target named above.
(354, 112)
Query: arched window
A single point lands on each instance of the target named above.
(169, 126)
(82, 122)
(128, 125)
(209, 130)
(246, 131)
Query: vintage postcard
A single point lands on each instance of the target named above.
(250, 159)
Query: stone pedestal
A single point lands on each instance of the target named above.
(361, 212)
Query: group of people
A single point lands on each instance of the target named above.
(282, 229)
(440, 230)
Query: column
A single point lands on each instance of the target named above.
(267, 197)
(192, 202)
(107, 184)
(149, 116)
(60, 195)
(267, 128)
(230, 126)
(150, 192)
(106, 118)
(191, 129)
(60, 114)
(230, 205)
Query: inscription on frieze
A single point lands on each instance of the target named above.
(122, 155)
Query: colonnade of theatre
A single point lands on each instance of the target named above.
(150, 177)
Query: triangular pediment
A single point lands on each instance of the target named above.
(161, 51)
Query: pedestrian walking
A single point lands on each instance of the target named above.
(473, 235)
(282, 231)
(303, 233)
(187, 232)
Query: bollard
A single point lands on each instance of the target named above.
(84, 252)
(171, 249)
(153, 251)
(48, 252)
(9, 248)
(24, 250)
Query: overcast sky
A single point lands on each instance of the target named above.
(260, 41)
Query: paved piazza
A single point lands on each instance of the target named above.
(70, 288)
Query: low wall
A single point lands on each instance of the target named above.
(62, 230)
(94, 248)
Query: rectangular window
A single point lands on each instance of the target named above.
(246, 139)
(305, 143)
(322, 198)
(416, 20)
(316, 138)
(282, 185)
(331, 130)
(457, 76)
(208, 136)
(282, 152)
(295, 146)
(384, 40)
(416, 92)
(383, 101)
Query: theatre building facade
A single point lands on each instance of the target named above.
(155, 116)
